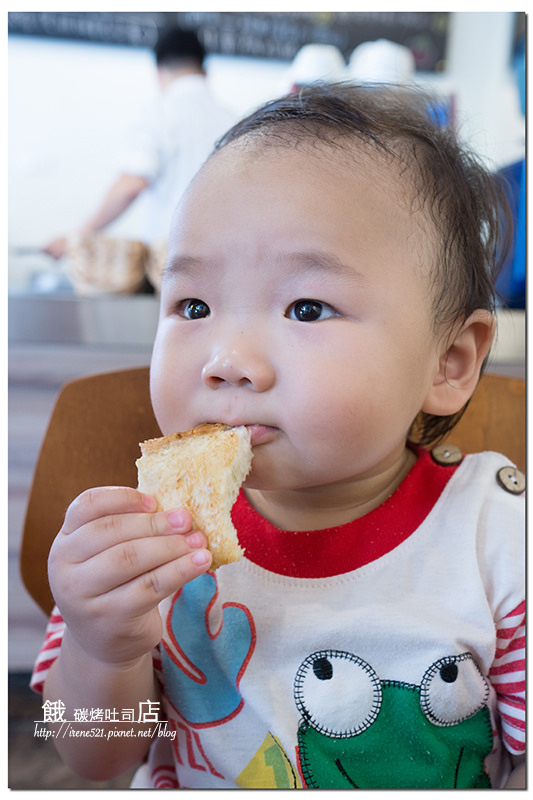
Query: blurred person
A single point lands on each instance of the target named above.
(382, 61)
(168, 145)
(385, 62)
(316, 62)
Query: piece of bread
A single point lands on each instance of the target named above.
(201, 470)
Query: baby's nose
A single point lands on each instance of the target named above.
(239, 365)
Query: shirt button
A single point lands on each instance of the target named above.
(446, 455)
(511, 479)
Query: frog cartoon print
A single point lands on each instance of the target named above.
(357, 731)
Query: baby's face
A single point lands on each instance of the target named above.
(296, 301)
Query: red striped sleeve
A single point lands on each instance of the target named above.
(508, 676)
(51, 647)
(49, 650)
(164, 777)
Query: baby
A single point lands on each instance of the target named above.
(330, 285)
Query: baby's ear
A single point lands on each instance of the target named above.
(460, 365)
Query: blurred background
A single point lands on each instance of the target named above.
(78, 82)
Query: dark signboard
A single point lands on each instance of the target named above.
(266, 35)
(129, 28)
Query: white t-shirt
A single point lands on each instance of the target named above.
(170, 143)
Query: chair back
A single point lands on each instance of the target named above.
(495, 419)
(92, 440)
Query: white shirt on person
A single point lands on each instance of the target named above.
(170, 143)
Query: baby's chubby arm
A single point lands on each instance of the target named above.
(111, 564)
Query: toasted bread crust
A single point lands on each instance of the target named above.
(202, 470)
(151, 446)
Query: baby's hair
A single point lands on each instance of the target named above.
(464, 201)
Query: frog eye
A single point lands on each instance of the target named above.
(452, 690)
(337, 693)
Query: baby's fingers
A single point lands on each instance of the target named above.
(121, 529)
(147, 591)
(127, 561)
(104, 501)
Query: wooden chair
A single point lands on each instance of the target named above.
(92, 440)
(97, 424)
(495, 419)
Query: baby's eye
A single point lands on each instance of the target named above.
(310, 311)
(194, 309)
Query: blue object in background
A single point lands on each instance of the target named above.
(511, 284)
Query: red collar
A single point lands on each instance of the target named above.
(333, 551)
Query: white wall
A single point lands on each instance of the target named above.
(487, 97)
(70, 108)
(71, 105)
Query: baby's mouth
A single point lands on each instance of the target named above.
(261, 434)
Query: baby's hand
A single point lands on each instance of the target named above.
(113, 561)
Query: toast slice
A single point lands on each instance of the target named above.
(201, 470)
